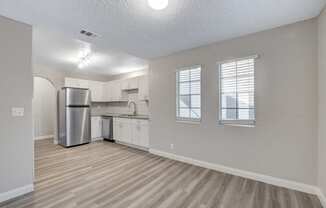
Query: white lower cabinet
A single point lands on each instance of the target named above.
(121, 130)
(131, 131)
(116, 129)
(125, 133)
(96, 128)
(140, 133)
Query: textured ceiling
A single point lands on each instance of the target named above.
(62, 52)
(131, 26)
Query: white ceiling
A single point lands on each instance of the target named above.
(131, 26)
(62, 52)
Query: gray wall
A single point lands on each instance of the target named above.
(322, 101)
(16, 87)
(284, 142)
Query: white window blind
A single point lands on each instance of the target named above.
(188, 86)
(237, 92)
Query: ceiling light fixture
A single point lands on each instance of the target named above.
(158, 4)
(85, 58)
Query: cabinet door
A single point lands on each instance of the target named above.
(136, 132)
(124, 84)
(144, 134)
(143, 87)
(129, 84)
(70, 82)
(77, 83)
(126, 130)
(96, 91)
(96, 127)
(93, 127)
(133, 83)
(116, 129)
(83, 83)
(107, 92)
(115, 90)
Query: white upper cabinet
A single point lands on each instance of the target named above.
(107, 91)
(129, 84)
(124, 84)
(116, 92)
(97, 91)
(113, 91)
(133, 83)
(143, 84)
(77, 83)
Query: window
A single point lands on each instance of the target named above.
(188, 94)
(237, 92)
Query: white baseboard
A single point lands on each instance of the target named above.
(321, 197)
(242, 173)
(16, 192)
(97, 139)
(44, 137)
(133, 146)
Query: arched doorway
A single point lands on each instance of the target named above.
(44, 109)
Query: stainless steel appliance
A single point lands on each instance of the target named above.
(74, 116)
(107, 128)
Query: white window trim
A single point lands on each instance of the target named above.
(237, 59)
(188, 120)
(238, 123)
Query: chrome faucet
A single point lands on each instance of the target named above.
(135, 107)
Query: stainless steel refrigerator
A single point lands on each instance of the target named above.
(74, 116)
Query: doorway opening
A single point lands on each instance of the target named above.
(44, 109)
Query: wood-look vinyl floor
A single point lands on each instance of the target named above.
(109, 175)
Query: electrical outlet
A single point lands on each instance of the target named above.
(17, 112)
(172, 146)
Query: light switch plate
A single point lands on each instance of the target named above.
(17, 112)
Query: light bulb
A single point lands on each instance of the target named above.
(158, 4)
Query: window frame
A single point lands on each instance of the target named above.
(237, 122)
(177, 110)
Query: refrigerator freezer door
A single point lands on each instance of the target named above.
(78, 97)
(78, 126)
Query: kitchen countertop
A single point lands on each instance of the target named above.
(143, 117)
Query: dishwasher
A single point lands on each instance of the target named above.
(107, 128)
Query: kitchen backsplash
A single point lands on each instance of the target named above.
(122, 107)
